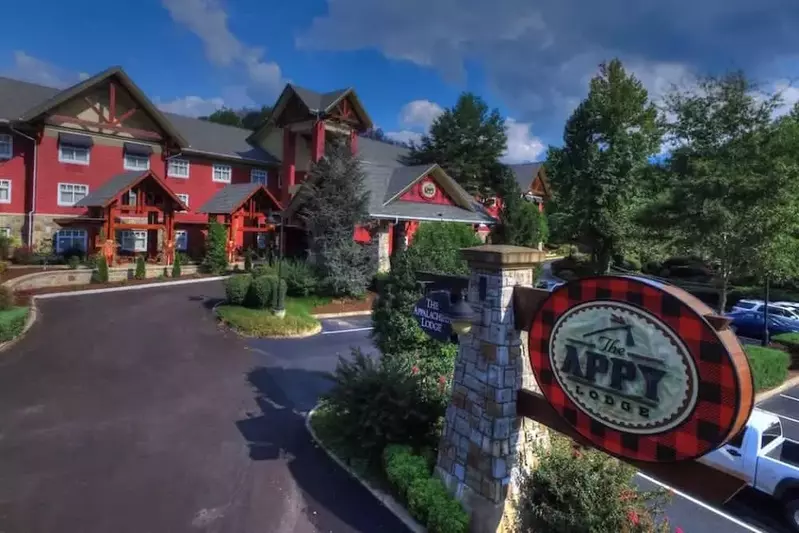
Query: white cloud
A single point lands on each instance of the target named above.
(192, 106)
(208, 20)
(789, 93)
(523, 146)
(419, 114)
(29, 68)
(405, 136)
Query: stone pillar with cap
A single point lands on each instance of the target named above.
(484, 443)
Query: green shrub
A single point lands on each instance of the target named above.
(385, 402)
(12, 322)
(436, 246)
(585, 490)
(237, 287)
(73, 262)
(769, 366)
(141, 268)
(259, 295)
(215, 260)
(5, 247)
(790, 340)
(574, 266)
(264, 270)
(176, 266)
(3, 266)
(427, 497)
(301, 278)
(101, 274)
(279, 295)
(6, 298)
(248, 260)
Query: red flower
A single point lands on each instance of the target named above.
(678, 530)
(415, 370)
(632, 516)
(442, 380)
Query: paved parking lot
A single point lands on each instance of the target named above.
(133, 412)
(786, 406)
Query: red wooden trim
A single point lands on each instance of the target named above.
(253, 229)
(59, 120)
(112, 102)
(144, 209)
(126, 115)
(139, 226)
(97, 109)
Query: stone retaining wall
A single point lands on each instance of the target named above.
(83, 276)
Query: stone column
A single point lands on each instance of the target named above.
(383, 238)
(484, 444)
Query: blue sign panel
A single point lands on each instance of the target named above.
(432, 314)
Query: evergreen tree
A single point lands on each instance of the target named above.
(596, 175)
(336, 201)
(520, 222)
(176, 270)
(215, 260)
(141, 268)
(467, 141)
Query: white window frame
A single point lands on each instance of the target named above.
(129, 240)
(132, 162)
(181, 240)
(170, 172)
(259, 175)
(73, 234)
(73, 185)
(183, 197)
(225, 170)
(6, 146)
(76, 150)
(5, 183)
(5, 232)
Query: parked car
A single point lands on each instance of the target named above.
(749, 322)
(766, 460)
(548, 284)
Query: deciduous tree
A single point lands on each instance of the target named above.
(596, 174)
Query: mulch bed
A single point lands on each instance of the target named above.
(23, 297)
(346, 305)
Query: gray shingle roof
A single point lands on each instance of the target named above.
(525, 174)
(376, 152)
(18, 98)
(109, 190)
(212, 138)
(315, 101)
(229, 198)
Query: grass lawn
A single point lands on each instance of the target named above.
(769, 366)
(11, 322)
(262, 323)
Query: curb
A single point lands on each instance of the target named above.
(388, 501)
(765, 395)
(126, 288)
(33, 313)
(321, 316)
(311, 333)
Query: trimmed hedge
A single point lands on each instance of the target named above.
(259, 295)
(237, 287)
(790, 340)
(427, 498)
(769, 366)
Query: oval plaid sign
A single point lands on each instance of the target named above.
(635, 367)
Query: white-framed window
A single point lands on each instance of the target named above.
(183, 197)
(258, 175)
(67, 239)
(136, 162)
(133, 240)
(78, 155)
(222, 173)
(181, 240)
(260, 240)
(70, 193)
(6, 146)
(5, 232)
(5, 191)
(178, 168)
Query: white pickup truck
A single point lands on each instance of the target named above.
(765, 459)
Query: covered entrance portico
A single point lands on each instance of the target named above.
(132, 214)
(249, 211)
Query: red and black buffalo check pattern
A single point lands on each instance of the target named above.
(719, 389)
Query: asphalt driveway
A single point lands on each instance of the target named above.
(133, 412)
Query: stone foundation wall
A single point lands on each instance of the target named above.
(16, 226)
(83, 276)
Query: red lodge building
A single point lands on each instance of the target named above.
(98, 166)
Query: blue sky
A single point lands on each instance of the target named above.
(407, 60)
